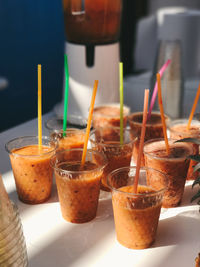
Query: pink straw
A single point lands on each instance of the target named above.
(155, 90)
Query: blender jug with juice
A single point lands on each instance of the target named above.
(92, 21)
(92, 30)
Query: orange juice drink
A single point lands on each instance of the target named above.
(178, 130)
(153, 130)
(175, 166)
(78, 186)
(108, 115)
(118, 155)
(136, 215)
(71, 138)
(31, 168)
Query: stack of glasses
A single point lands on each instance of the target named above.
(12, 243)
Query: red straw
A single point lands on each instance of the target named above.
(145, 110)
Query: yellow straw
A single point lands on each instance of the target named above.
(121, 101)
(162, 113)
(145, 111)
(39, 107)
(193, 107)
(89, 122)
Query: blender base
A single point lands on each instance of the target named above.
(81, 80)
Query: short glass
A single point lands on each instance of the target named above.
(71, 138)
(154, 129)
(31, 167)
(56, 124)
(136, 215)
(178, 130)
(175, 166)
(78, 187)
(108, 115)
(118, 155)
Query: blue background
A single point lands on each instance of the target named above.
(31, 33)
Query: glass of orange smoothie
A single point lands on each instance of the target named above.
(71, 138)
(78, 186)
(136, 215)
(31, 167)
(108, 115)
(178, 130)
(175, 166)
(117, 154)
(153, 129)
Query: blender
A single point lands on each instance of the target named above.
(92, 30)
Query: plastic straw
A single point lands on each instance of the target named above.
(193, 107)
(121, 102)
(66, 94)
(162, 112)
(89, 122)
(39, 107)
(145, 110)
(153, 98)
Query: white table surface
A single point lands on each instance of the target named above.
(51, 241)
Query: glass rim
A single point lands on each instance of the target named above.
(126, 110)
(102, 143)
(104, 159)
(68, 130)
(130, 120)
(136, 194)
(47, 138)
(182, 121)
(61, 118)
(170, 140)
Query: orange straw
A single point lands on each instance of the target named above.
(162, 113)
(39, 107)
(193, 107)
(89, 122)
(145, 111)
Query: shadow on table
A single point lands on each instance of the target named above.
(189, 192)
(180, 229)
(181, 234)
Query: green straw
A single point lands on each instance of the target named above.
(66, 94)
(121, 101)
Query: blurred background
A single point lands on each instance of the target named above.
(32, 32)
